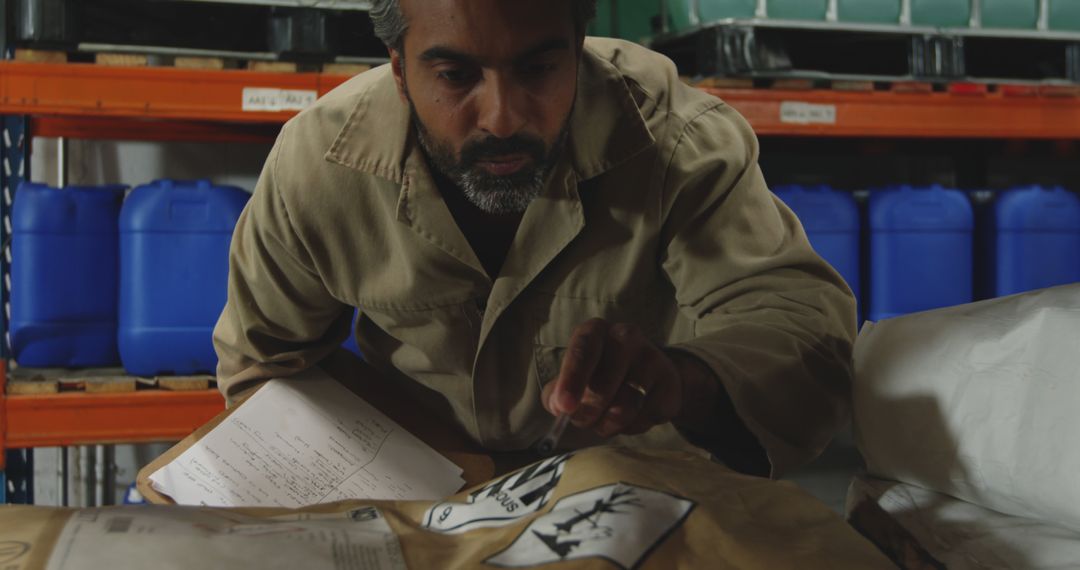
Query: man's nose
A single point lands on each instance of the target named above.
(502, 106)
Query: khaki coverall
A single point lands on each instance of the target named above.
(657, 215)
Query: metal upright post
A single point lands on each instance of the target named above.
(832, 12)
(16, 467)
(13, 170)
(3, 319)
(61, 162)
(62, 474)
(3, 28)
(1072, 62)
(108, 475)
(976, 14)
(614, 16)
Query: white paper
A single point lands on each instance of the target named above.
(799, 113)
(961, 535)
(306, 441)
(267, 99)
(185, 537)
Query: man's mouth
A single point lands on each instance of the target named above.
(504, 165)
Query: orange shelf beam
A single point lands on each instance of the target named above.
(78, 418)
(182, 104)
(923, 115)
(88, 90)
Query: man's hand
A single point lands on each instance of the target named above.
(614, 380)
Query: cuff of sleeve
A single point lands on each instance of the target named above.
(737, 439)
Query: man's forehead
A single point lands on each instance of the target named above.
(493, 28)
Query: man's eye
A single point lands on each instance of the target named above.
(456, 76)
(538, 69)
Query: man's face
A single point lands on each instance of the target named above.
(491, 84)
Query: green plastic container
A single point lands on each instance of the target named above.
(627, 19)
(1022, 14)
(601, 26)
(1065, 15)
(679, 17)
(633, 19)
(798, 9)
(869, 11)
(712, 10)
(943, 13)
(680, 12)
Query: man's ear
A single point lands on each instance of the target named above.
(397, 65)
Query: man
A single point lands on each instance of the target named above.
(533, 224)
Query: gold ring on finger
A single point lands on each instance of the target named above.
(637, 388)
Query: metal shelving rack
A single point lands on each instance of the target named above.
(160, 104)
(91, 101)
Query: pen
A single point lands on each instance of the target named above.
(548, 443)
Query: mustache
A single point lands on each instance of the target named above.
(489, 147)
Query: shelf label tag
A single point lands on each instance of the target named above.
(807, 113)
(272, 100)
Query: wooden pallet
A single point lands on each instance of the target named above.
(761, 48)
(188, 62)
(37, 381)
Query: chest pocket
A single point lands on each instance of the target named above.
(426, 342)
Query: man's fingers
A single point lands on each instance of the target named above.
(580, 361)
(547, 399)
(644, 400)
(619, 350)
(613, 380)
(625, 409)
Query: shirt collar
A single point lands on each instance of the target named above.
(606, 126)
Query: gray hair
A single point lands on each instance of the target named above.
(390, 24)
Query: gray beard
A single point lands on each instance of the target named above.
(491, 194)
(510, 194)
(502, 195)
